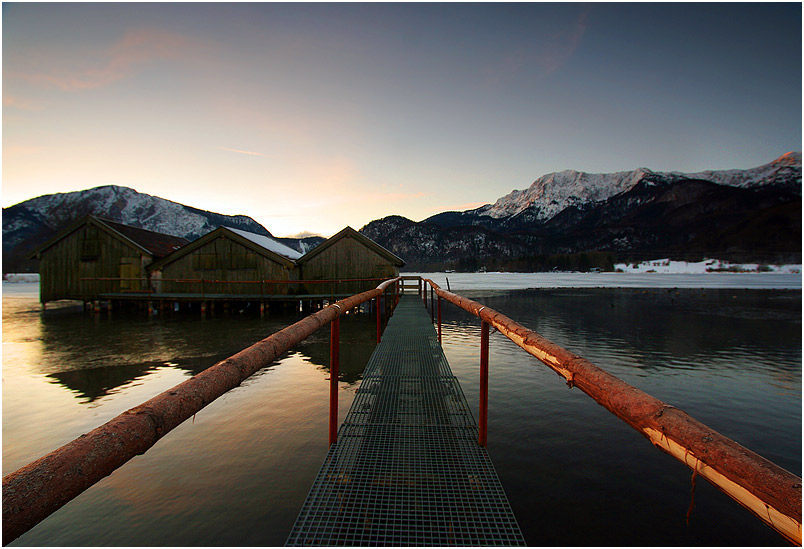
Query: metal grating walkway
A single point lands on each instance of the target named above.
(407, 468)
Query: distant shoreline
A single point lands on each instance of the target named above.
(521, 281)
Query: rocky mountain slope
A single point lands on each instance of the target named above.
(750, 214)
(28, 224)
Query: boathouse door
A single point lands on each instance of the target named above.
(128, 272)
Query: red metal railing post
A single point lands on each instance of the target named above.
(439, 319)
(334, 359)
(378, 318)
(484, 384)
(432, 309)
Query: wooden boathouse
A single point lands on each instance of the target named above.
(348, 255)
(97, 260)
(94, 256)
(226, 262)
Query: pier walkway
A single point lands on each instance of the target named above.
(407, 468)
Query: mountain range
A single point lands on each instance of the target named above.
(33, 222)
(743, 215)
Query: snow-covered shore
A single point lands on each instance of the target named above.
(703, 267)
(21, 277)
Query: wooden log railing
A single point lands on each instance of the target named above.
(768, 491)
(35, 491)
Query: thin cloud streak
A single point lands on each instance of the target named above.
(395, 197)
(240, 151)
(135, 49)
(21, 103)
(464, 207)
(21, 150)
(550, 53)
(562, 45)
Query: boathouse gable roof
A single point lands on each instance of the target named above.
(232, 234)
(366, 241)
(149, 243)
(159, 245)
(269, 244)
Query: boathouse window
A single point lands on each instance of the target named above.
(243, 261)
(90, 249)
(205, 262)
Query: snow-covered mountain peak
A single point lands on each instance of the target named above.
(785, 169)
(30, 223)
(791, 158)
(123, 205)
(554, 192)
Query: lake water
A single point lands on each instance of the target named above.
(238, 472)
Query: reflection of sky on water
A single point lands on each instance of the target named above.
(675, 345)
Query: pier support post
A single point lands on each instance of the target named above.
(334, 360)
(483, 412)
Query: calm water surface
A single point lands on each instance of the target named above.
(238, 473)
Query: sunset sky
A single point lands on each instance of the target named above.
(311, 117)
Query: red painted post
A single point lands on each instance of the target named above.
(439, 319)
(334, 359)
(484, 384)
(378, 319)
(432, 309)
